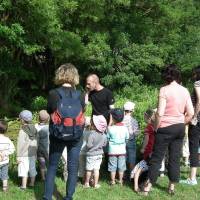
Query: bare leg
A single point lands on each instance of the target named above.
(136, 178)
(24, 182)
(5, 185)
(113, 174)
(87, 178)
(193, 173)
(32, 181)
(121, 174)
(96, 177)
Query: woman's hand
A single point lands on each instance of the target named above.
(194, 121)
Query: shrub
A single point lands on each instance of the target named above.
(38, 103)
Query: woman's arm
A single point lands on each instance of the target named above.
(160, 112)
(197, 106)
(189, 110)
(52, 101)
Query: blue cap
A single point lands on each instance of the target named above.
(117, 114)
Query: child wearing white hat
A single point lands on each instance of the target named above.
(133, 129)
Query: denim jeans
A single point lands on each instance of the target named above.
(131, 151)
(56, 149)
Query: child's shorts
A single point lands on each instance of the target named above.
(4, 172)
(27, 167)
(93, 162)
(117, 163)
(131, 151)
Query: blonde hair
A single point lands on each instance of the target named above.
(67, 73)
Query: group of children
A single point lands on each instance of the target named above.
(116, 140)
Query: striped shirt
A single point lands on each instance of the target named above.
(194, 98)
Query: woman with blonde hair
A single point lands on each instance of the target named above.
(67, 78)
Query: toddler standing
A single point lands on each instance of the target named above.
(133, 130)
(82, 157)
(43, 141)
(117, 136)
(94, 149)
(27, 149)
(6, 148)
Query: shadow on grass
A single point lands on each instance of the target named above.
(39, 191)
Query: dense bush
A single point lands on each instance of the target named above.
(127, 42)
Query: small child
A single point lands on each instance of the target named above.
(147, 148)
(117, 136)
(82, 157)
(27, 149)
(95, 143)
(43, 141)
(6, 148)
(133, 130)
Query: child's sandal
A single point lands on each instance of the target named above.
(171, 192)
(112, 183)
(5, 188)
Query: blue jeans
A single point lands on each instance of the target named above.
(131, 151)
(56, 149)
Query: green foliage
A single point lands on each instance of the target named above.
(125, 42)
(39, 103)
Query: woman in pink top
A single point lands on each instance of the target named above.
(174, 110)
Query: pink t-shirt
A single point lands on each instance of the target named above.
(178, 102)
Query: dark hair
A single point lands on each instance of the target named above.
(196, 71)
(149, 113)
(171, 73)
(3, 126)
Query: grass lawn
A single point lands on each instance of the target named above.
(106, 192)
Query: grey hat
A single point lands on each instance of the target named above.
(26, 115)
(43, 116)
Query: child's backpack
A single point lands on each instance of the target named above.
(68, 119)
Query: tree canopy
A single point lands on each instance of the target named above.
(126, 42)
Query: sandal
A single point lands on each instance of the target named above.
(145, 191)
(171, 192)
(112, 183)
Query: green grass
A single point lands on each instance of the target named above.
(106, 192)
